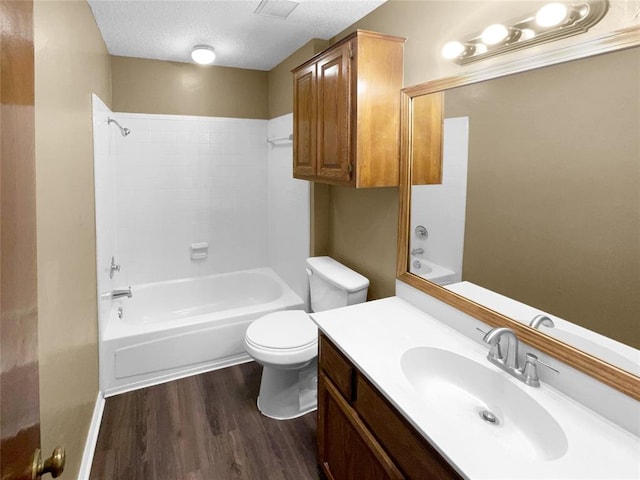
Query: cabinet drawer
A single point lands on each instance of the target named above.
(408, 449)
(337, 368)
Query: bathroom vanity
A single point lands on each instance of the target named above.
(357, 426)
(402, 395)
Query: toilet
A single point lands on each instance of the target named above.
(285, 343)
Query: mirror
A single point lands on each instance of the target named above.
(528, 187)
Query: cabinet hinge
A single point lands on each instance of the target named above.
(350, 52)
(350, 168)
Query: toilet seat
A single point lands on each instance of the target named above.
(287, 329)
(282, 338)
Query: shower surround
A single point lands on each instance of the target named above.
(178, 181)
(186, 180)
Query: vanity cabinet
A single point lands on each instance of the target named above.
(346, 112)
(361, 435)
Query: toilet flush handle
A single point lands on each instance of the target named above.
(309, 271)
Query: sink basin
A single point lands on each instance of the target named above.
(483, 407)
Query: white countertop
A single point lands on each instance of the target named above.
(374, 335)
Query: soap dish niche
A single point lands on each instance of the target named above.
(199, 251)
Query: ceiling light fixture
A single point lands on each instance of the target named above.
(551, 22)
(203, 54)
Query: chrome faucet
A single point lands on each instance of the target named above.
(417, 251)
(121, 293)
(541, 320)
(530, 370)
(529, 373)
(495, 354)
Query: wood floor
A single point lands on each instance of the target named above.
(202, 427)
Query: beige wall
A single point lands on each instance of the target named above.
(553, 205)
(427, 25)
(281, 81)
(361, 226)
(172, 88)
(363, 234)
(71, 62)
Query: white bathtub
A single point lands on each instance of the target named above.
(183, 327)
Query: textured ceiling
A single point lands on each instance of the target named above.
(167, 30)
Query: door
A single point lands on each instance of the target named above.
(334, 115)
(304, 122)
(19, 395)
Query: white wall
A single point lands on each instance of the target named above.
(178, 180)
(182, 180)
(288, 217)
(442, 208)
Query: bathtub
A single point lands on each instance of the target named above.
(173, 329)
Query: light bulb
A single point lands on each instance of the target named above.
(203, 54)
(551, 15)
(494, 34)
(480, 49)
(526, 34)
(452, 50)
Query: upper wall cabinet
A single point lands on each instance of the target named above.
(346, 112)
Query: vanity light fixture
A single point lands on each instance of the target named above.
(551, 22)
(452, 50)
(494, 34)
(552, 14)
(203, 54)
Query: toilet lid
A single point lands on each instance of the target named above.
(283, 330)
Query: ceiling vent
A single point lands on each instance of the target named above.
(276, 8)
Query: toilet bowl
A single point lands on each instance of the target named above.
(285, 343)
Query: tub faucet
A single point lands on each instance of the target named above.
(417, 251)
(121, 293)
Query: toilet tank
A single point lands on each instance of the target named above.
(333, 285)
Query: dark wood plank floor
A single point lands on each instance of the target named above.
(202, 427)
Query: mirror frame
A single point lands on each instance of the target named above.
(604, 372)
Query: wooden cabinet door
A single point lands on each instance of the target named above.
(304, 122)
(334, 114)
(346, 449)
(415, 457)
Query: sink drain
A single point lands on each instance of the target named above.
(489, 417)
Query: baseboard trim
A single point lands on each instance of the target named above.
(92, 439)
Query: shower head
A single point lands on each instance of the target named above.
(123, 131)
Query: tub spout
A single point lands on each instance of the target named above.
(121, 293)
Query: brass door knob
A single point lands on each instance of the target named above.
(53, 465)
